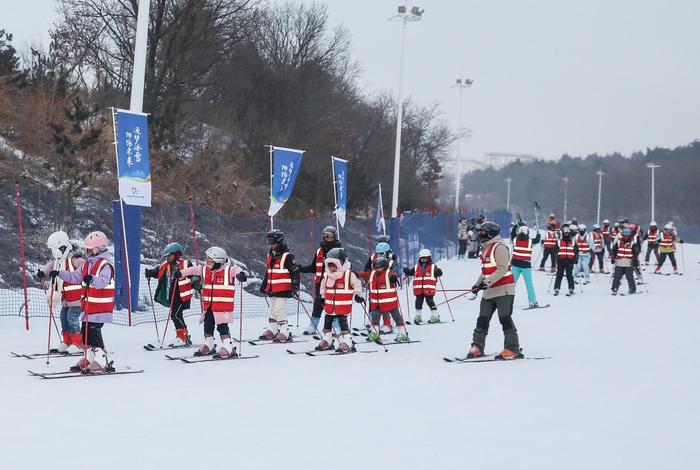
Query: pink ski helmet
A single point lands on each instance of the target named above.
(96, 240)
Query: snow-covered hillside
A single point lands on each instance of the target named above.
(619, 392)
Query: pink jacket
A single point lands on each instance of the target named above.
(329, 278)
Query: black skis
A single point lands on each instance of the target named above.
(539, 306)
(209, 358)
(491, 358)
(263, 342)
(53, 354)
(70, 374)
(150, 347)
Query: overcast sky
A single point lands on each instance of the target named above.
(550, 76)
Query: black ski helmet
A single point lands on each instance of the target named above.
(275, 236)
(330, 230)
(383, 239)
(337, 253)
(488, 230)
(380, 262)
(566, 232)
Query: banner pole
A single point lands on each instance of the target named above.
(21, 255)
(335, 197)
(272, 221)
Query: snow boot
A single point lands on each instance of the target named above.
(373, 336)
(326, 342)
(207, 348)
(283, 333)
(417, 317)
(345, 344)
(226, 348)
(474, 351)
(313, 326)
(614, 291)
(181, 338)
(99, 361)
(434, 318)
(508, 355)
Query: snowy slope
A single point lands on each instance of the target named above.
(620, 392)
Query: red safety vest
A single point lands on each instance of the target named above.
(624, 250)
(582, 243)
(667, 241)
(338, 299)
(488, 266)
(71, 292)
(96, 300)
(217, 290)
(319, 266)
(566, 249)
(606, 231)
(614, 231)
(522, 249)
(550, 239)
(651, 236)
(424, 282)
(184, 285)
(598, 240)
(381, 294)
(279, 279)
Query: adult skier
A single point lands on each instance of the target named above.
(521, 261)
(498, 283)
(549, 247)
(317, 267)
(585, 246)
(425, 274)
(63, 293)
(167, 296)
(219, 277)
(280, 283)
(462, 237)
(97, 300)
(607, 232)
(339, 287)
(651, 237)
(567, 257)
(667, 247)
(624, 251)
(598, 249)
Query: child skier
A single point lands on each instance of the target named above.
(424, 283)
(567, 257)
(667, 247)
(624, 251)
(339, 287)
(280, 282)
(167, 296)
(65, 294)
(219, 277)
(521, 261)
(383, 298)
(497, 280)
(651, 237)
(585, 246)
(598, 249)
(549, 246)
(383, 250)
(97, 301)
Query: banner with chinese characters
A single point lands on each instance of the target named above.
(340, 180)
(133, 163)
(285, 167)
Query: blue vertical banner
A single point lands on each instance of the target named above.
(285, 165)
(340, 188)
(132, 223)
(133, 161)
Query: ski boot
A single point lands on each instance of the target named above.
(508, 355)
(283, 335)
(99, 362)
(84, 361)
(571, 292)
(385, 330)
(402, 337)
(226, 349)
(271, 330)
(533, 305)
(556, 292)
(207, 348)
(345, 344)
(474, 351)
(417, 317)
(434, 318)
(181, 338)
(614, 291)
(326, 343)
(373, 336)
(63, 346)
(76, 343)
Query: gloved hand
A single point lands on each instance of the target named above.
(149, 273)
(87, 278)
(176, 274)
(196, 283)
(53, 274)
(438, 272)
(40, 274)
(680, 241)
(241, 277)
(479, 287)
(407, 271)
(359, 299)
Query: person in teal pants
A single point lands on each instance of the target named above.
(521, 261)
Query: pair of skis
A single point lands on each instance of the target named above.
(490, 358)
(54, 353)
(330, 352)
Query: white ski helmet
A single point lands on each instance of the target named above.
(606, 222)
(582, 227)
(653, 224)
(668, 226)
(59, 243)
(524, 230)
(217, 254)
(573, 227)
(424, 253)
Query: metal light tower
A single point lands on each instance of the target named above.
(508, 180)
(566, 182)
(600, 185)
(461, 85)
(138, 76)
(404, 16)
(653, 166)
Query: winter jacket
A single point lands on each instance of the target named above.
(462, 231)
(502, 258)
(522, 263)
(219, 317)
(100, 281)
(330, 278)
(624, 262)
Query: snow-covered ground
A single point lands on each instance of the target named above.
(619, 392)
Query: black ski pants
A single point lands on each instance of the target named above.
(178, 316)
(93, 335)
(429, 299)
(462, 247)
(342, 321)
(210, 324)
(549, 252)
(564, 265)
(601, 260)
(504, 305)
(652, 247)
(671, 256)
(318, 303)
(628, 272)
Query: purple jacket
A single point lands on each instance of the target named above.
(101, 280)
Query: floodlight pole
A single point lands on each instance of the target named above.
(461, 84)
(566, 181)
(653, 167)
(600, 186)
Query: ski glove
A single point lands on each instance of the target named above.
(150, 273)
(53, 274)
(40, 274)
(241, 277)
(359, 299)
(481, 286)
(176, 274)
(408, 271)
(86, 279)
(438, 272)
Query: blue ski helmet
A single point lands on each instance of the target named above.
(382, 247)
(171, 248)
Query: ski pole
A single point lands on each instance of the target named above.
(470, 291)
(240, 321)
(376, 330)
(449, 308)
(682, 258)
(43, 287)
(549, 287)
(408, 301)
(309, 315)
(298, 308)
(86, 322)
(173, 286)
(153, 308)
(51, 290)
